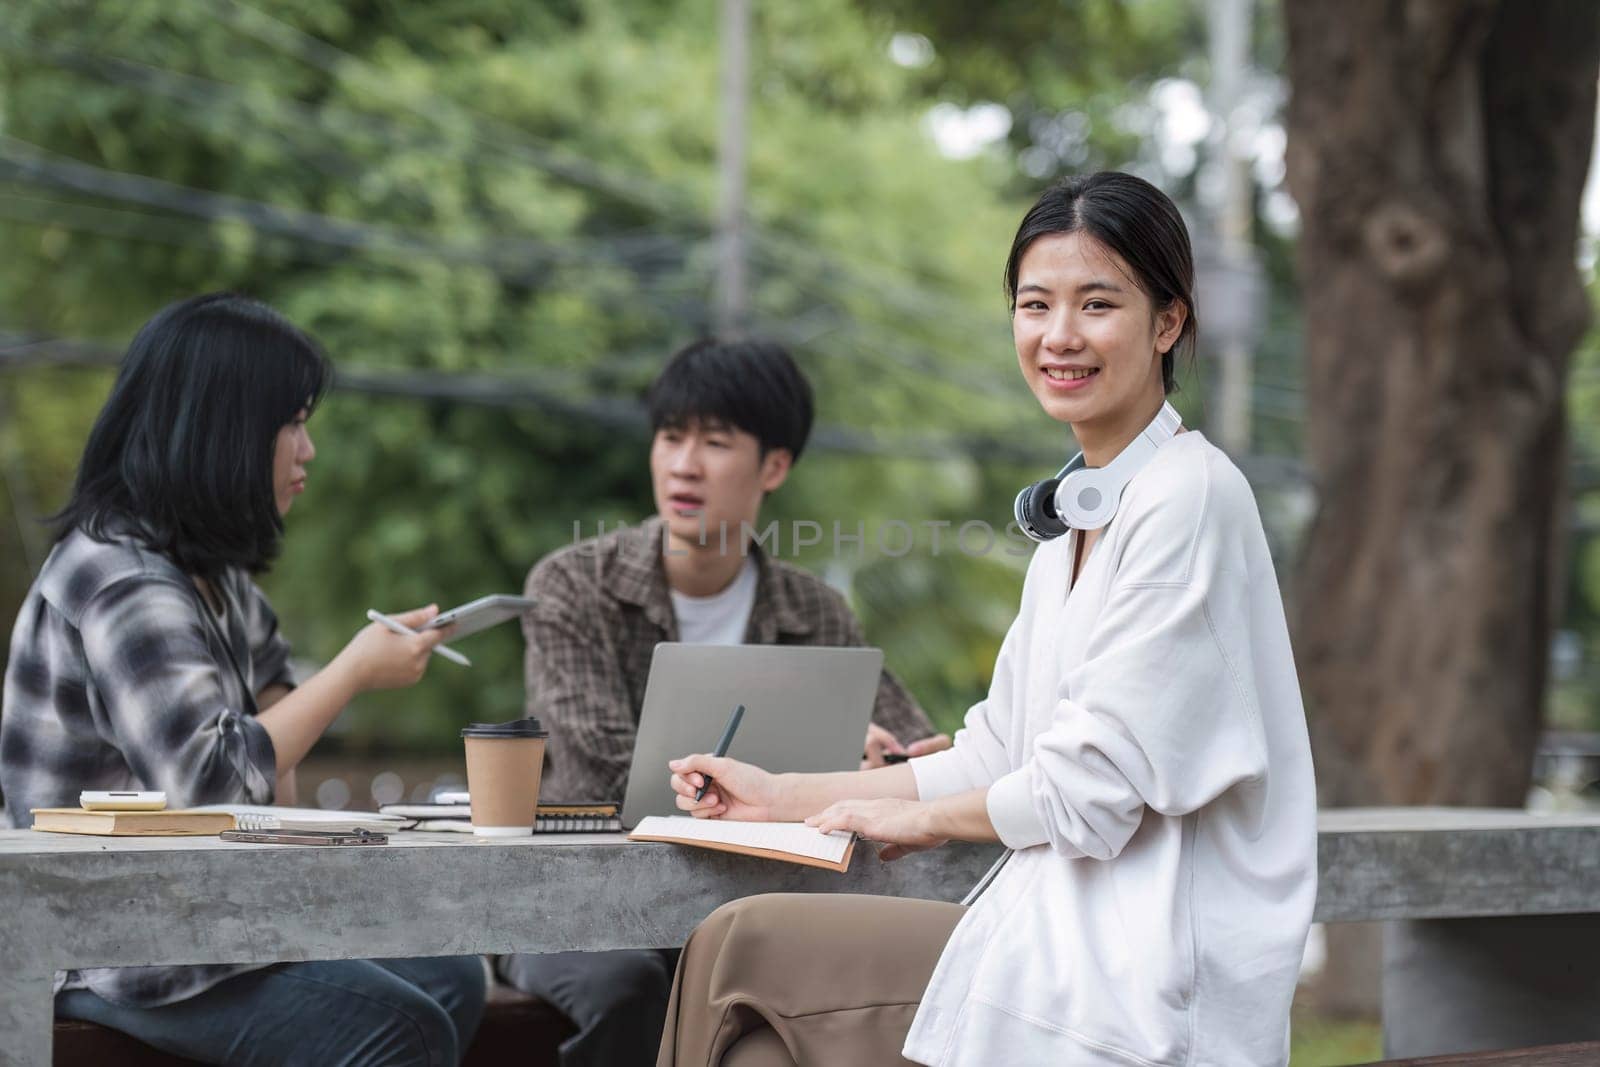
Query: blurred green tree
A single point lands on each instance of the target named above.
(522, 191)
(1073, 76)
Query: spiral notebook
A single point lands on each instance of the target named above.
(589, 818)
(273, 817)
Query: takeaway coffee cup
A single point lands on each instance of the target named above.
(503, 764)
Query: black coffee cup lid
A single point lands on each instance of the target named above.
(528, 727)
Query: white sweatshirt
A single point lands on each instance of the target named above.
(1144, 747)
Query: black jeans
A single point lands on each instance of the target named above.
(617, 1000)
(333, 1013)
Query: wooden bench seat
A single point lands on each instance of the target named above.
(1581, 1054)
(517, 1028)
(522, 1029)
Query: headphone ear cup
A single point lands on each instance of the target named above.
(1035, 511)
(1086, 499)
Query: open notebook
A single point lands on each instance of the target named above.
(791, 841)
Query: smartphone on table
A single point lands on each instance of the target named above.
(306, 837)
(122, 800)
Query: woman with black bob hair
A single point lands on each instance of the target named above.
(1142, 750)
(145, 658)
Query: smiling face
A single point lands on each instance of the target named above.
(1089, 340)
(707, 474)
(289, 458)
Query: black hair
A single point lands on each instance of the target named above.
(1132, 218)
(752, 386)
(181, 455)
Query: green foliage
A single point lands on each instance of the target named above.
(524, 190)
(1322, 1042)
(1065, 71)
(44, 418)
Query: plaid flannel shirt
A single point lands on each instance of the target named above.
(118, 680)
(602, 605)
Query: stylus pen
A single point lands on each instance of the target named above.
(401, 628)
(722, 746)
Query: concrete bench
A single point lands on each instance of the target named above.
(1491, 937)
(1582, 1054)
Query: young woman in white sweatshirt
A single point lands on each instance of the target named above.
(1142, 749)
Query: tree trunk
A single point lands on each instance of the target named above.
(1437, 150)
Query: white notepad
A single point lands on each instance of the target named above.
(792, 841)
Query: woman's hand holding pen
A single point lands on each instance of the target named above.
(377, 658)
(747, 793)
(738, 791)
(903, 826)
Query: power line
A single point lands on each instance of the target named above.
(512, 259)
(525, 391)
(888, 348)
(122, 224)
(201, 95)
(897, 353)
(893, 357)
(103, 222)
(639, 190)
(338, 64)
(785, 253)
(269, 219)
(206, 96)
(806, 334)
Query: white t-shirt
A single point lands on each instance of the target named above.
(719, 619)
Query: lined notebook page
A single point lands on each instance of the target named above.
(792, 837)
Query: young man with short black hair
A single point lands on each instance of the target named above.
(730, 420)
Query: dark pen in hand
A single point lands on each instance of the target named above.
(722, 748)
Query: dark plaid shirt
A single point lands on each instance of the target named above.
(603, 605)
(118, 680)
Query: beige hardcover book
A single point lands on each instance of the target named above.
(180, 822)
(790, 841)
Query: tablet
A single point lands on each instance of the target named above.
(481, 614)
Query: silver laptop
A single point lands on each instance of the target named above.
(805, 709)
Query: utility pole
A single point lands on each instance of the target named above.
(732, 296)
(1233, 214)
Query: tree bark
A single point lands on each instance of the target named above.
(1437, 151)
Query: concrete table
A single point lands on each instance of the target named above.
(1451, 881)
(71, 901)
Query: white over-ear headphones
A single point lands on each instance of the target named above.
(1085, 498)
